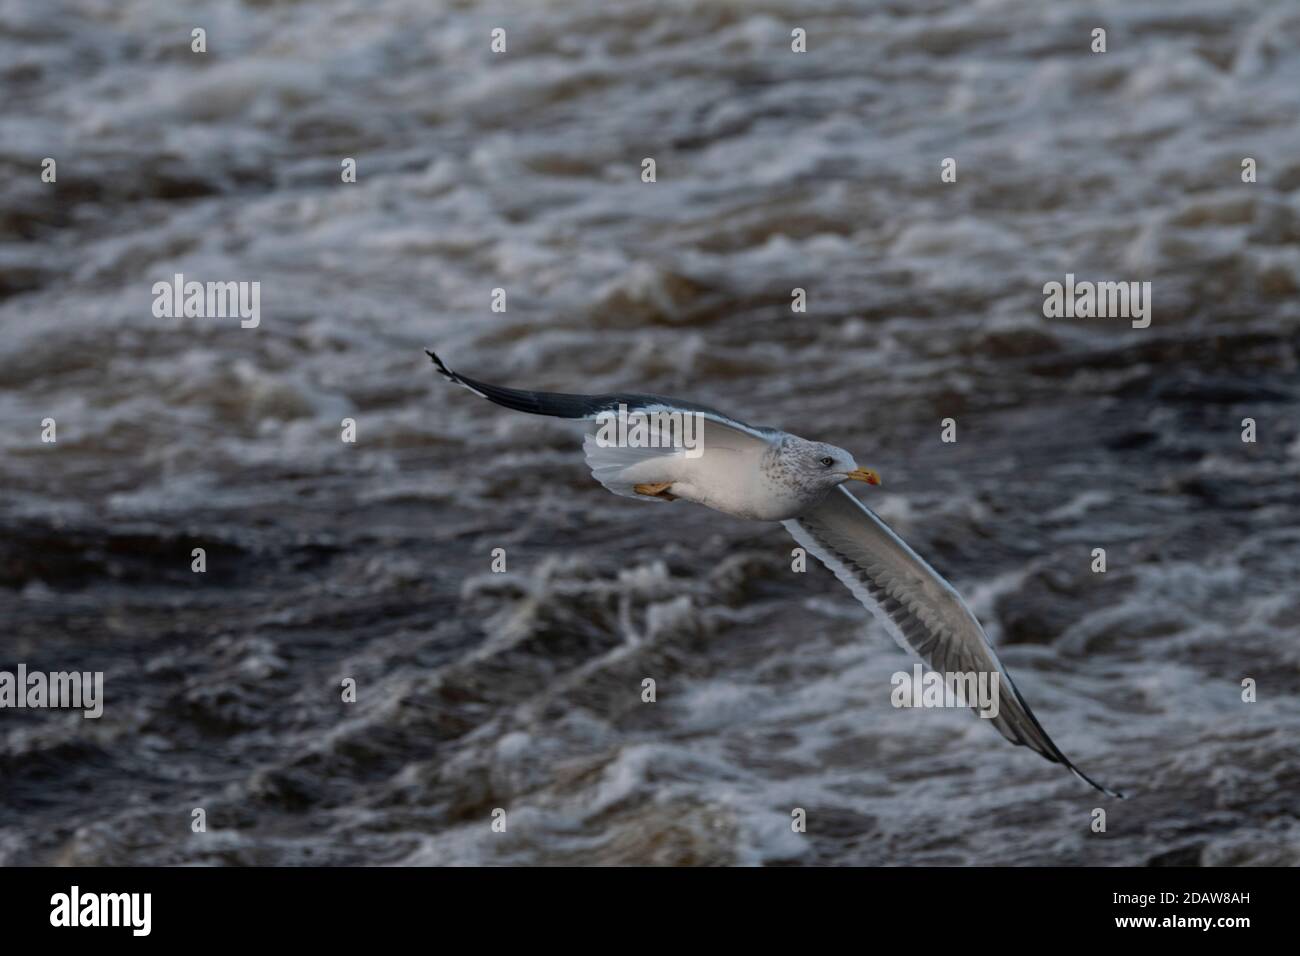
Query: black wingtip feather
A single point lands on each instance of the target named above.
(1050, 751)
(446, 373)
(1087, 779)
(556, 404)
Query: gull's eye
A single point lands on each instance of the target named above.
(828, 461)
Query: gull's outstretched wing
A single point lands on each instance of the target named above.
(590, 407)
(921, 610)
(621, 467)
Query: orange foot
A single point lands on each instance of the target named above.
(657, 490)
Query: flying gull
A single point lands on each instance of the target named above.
(765, 474)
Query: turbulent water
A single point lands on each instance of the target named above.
(522, 691)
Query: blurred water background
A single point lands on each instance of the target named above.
(522, 690)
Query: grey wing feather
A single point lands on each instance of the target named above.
(921, 610)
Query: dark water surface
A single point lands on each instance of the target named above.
(522, 690)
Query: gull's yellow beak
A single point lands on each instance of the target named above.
(865, 474)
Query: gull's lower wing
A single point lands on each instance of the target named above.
(921, 610)
(589, 407)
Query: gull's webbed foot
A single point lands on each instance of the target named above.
(656, 490)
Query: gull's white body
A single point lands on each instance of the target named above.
(729, 482)
(735, 471)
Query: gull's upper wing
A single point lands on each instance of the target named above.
(589, 407)
(921, 610)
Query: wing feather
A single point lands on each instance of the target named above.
(589, 407)
(922, 611)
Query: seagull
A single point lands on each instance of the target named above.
(764, 474)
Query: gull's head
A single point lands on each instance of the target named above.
(824, 466)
